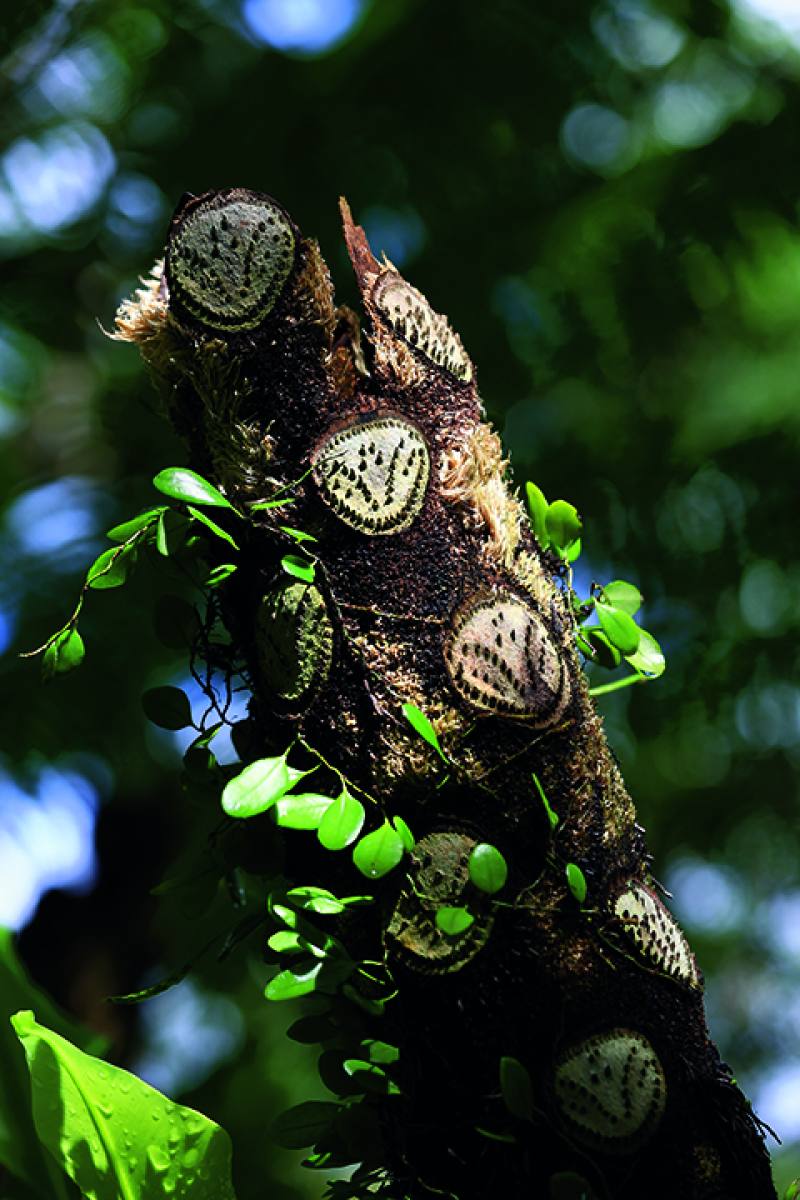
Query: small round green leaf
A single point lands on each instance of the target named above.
(623, 595)
(453, 920)
(285, 941)
(298, 566)
(619, 627)
(303, 810)
(488, 869)
(649, 657)
(342, 822)
(563, 524)
(516, 1088)
(257, 787)
(182, 484)
(405, 833)
(65, 652)
(599, 648)
(576, 881)
(288, 985)
(379, 852)
(167, 707)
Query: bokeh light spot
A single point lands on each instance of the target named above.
(596, 137)
(304, 26)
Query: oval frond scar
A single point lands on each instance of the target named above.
(294, 640)
(501, 658)
(374, 474)
(611, 1090)
(656, 933)
(228, 259)
(411, 316)
(440, 874)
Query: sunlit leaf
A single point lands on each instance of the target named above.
(121, 533)
(369, 1076)
(563, 524)
(288, 985)
(551, 815)
(65, 652)
(182, 484)
(109, 569)
(257, 787)
(516, 1088)
(21, 1151)
(216, 529)
(379, 852)
(342, 822)
(167, 707)
(405, 833)
(453, 919)
(488, 869)
(315, 899)
(286, 941)
(421, 724)
(619, 627)
(169, 1149)
(298, 535)
(599, 647)
(537, 511)
(299, 567)
(623, 595)
(576, 881)
(220, 574)
(302, 811)
(649, 657)
(381, 1052)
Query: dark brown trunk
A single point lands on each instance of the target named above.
(431, 590)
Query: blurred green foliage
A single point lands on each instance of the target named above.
(604, 200)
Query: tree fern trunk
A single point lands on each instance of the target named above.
(430, 590)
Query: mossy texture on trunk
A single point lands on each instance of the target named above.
(429, 589)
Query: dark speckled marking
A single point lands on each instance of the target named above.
(229, 258)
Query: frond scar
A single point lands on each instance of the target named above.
(374, 474)
(611, 1090)
(656, 933)
(411, 316)
(440, 874)
(502, 659)
(229, 256)
(294, 640)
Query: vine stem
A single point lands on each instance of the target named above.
(618, 683)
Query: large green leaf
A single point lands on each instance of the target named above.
(115, 1136)
(257, 787)
(21, 1152)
